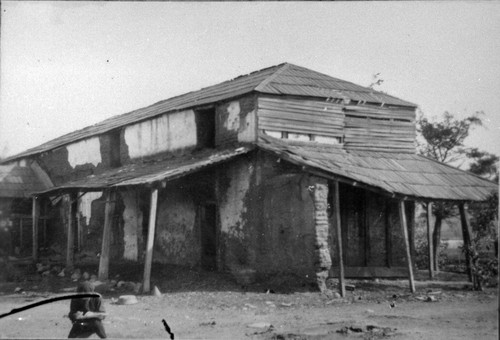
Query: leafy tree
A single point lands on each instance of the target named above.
(483, 164)
(443, 140)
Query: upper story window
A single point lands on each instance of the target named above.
(205, 128)
(303, 137)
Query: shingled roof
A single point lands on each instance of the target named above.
(283, 79)
(18, 182)
(153, 171)
(403, 174)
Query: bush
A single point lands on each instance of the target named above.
(422, 254)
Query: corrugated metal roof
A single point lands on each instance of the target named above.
(404, 174)
(18, 181)
(283, 79)
(150, 172)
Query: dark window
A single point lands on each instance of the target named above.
(205, 128)
(114, 149)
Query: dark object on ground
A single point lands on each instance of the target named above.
(350, 287)
(167, 328)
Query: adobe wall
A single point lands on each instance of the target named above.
(172, 133)
(235, 121)
(177, 238)
(273, 230)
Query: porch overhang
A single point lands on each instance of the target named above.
(148, 173)
(404, 175)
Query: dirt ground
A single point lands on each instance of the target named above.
(200, 305)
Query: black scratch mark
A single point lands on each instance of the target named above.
(167, 328)
(54, 299)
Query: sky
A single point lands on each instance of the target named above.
(67, 65)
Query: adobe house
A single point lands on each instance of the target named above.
(284, 170)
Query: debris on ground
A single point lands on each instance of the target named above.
(263, 327)
(260, 325)
(350, 287)
(125, 300)
(370, 330)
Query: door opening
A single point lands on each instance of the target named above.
(208, 237)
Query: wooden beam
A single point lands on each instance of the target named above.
(404, 226)
(466, 234)
(78, 233)
(146, 284)
(20, 235)
(109, 211)
(388, 232)
(70, 246)
(339, 240)
(429, 241)
(371, 272)
(36, 215)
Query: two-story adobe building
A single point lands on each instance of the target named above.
(284, 170)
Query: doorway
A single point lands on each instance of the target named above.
(208, 236)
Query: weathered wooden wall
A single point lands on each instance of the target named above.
(379, 129)
(371, 234)
(358, 127)
(314, 117)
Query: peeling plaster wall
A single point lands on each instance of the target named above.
(88, 206)
(74, 161)
(132, 225)
(91, 211)
(55, 164)
(177, 238)
(266, 218)
(286, 237)
(83, 152)
(166, 133)
(236, 121)
(234, 184)
(85, 205)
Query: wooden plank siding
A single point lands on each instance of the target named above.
(379, 128)
(301, 116)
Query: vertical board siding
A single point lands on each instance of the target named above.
(301, 116)
(384, 129)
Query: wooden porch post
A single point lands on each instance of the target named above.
(20, 234)
(429, 241)
(109, 211)
(466, 234)
(404, 226)
(339, 240)
(71, 231)
(36, 215)
(150, 241)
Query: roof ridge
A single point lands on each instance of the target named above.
(266, 81)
